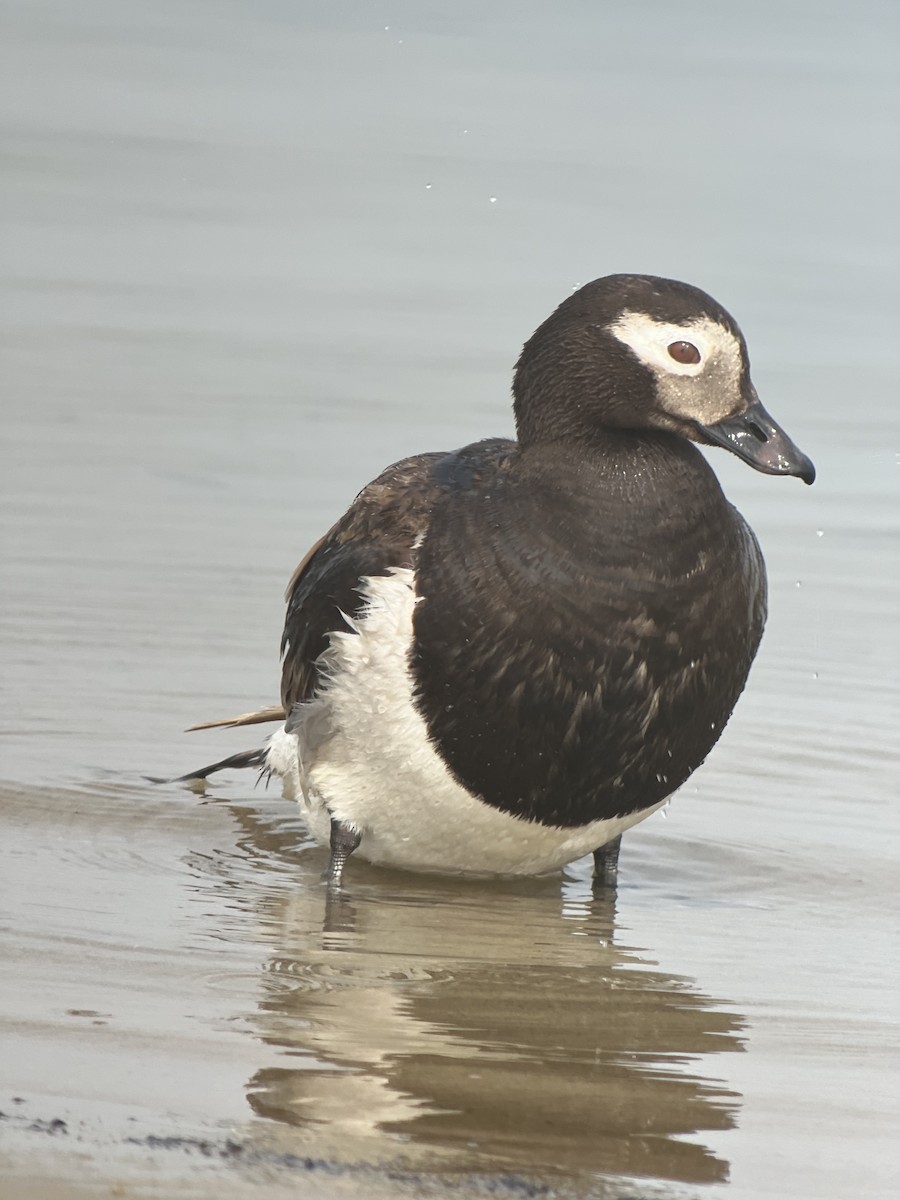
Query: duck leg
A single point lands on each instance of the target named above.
(344, 840)
(606, 863)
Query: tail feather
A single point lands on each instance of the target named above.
(274, 713)
(246, 758)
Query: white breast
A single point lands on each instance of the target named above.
(360, 751)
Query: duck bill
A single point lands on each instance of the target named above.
(760, 441)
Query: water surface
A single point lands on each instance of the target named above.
(252, 255)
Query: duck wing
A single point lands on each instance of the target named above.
(380, 531)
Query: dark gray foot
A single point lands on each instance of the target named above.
(344, 840)
(606, 863)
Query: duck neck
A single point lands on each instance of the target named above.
(610, 453)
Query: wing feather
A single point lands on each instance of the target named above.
(380, 530)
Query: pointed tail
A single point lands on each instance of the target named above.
(262, 717)
(246, 758)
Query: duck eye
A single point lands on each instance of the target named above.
(684, 352)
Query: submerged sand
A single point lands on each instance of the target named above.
(183, 1013)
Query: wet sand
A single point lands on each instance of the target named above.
(234, 290)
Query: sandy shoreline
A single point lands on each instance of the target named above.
(183, 1015)
(138, 917)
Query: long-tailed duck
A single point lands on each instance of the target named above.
(502, 657)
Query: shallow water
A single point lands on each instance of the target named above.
(252, 256)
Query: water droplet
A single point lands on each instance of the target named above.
(815, 674)
(799, 583)
(427, 187)
(493, 199)
(820, 533)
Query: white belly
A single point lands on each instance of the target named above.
(360, 752)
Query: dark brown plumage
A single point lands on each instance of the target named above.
(377, 532)
(582, 609)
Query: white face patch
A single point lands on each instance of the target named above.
(705, 391)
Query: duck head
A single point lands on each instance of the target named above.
(642, 353)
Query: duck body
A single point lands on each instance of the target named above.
(503, 657)
(620, 601)
(554, 650)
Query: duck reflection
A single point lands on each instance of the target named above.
(440, 1024)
